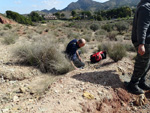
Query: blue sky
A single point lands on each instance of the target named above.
(26, 6)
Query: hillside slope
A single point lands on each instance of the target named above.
(98, 88)
(4, 20)
(95, 6)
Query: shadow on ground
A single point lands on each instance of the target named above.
(105, 78)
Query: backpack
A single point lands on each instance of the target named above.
(96, 57)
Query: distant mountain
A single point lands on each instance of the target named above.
(53, 10)
(93, 5)
(118, 3)
(83, 5)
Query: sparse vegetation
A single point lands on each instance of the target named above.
(45, 56)
(10, 39)
(117, 52)
(94, 27)
(8, 26)
(107, 27)
(122, 26)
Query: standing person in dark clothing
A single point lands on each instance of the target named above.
(141, 41)
(73, 54)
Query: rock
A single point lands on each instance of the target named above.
(70, 91)
(2, 79)
(56, 91)
(22, 90)
(58, 102)
(5, 110)
(140, 100)
(15, 98)
(12, 82)
(134, 108)
(121, 70)
(100, 93)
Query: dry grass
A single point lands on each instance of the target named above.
(116, 51)
(44, 54)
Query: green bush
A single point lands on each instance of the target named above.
(129, 47)
(8, 26)
(35, 17)
(117, 52)
(45, 56)
(94, 27)
(10, 39)
(107, 27)
(18, 18)
(105, 46)
(99, 38)
(112, 36)
(122, 26)
(101, 32)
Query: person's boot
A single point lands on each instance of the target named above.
(134, 88)
(144, 86)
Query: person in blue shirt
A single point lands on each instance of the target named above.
(73, 53)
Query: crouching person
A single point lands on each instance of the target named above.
(73, 54)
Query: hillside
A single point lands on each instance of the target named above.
(4, 20)
(98, 88)
(94, 6)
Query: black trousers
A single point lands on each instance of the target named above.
(142, 65)
(78, 63)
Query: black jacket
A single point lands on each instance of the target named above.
(141, 23)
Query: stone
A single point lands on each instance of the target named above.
(5, 110)
(15, 98)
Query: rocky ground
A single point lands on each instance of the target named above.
(98, 88)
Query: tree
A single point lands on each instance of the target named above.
(57, 15)
(18, 18)
(35, 17)
(62, 15)
(73, 13)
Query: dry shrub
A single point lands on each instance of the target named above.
(116, 51)
(100, 38)
(72, 35)
(112, 36)
(10, 39)
(45, 55)
(105, 46)
(94, 27)
(101, 32)
(122, 26)
(87, 37)
(129, 47)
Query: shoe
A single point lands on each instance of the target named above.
(144, 86)
(134, 88)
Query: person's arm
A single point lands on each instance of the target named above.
(73, 65)
(143, 24)
(78, 56)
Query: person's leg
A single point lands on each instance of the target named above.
(78, 63)
(140, 70)
(142, 82)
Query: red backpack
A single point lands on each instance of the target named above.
(96, 57)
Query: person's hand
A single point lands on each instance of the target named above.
(141, 49)
(80, 59)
